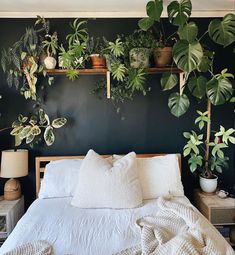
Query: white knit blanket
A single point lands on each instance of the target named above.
(178, 229)
(33, 248)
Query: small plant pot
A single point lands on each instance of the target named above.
(139, 57)
(163, 56)
(50, 62)
(98, 61)
(208, 185)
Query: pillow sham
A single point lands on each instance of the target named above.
(103, 184)
(60, 178)
(159, 176)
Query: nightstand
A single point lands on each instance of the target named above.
(220, 212)
(10, 213)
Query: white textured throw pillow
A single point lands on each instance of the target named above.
(103, 184)
(60, 178)
(159, 176)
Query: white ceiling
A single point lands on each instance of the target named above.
(102, 8)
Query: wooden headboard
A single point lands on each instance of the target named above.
(42, 161)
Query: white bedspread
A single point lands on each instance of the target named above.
(75, 231)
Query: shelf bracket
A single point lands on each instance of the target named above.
(108, 84)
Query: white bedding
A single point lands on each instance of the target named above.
(75, 231)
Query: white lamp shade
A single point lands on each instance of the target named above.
(14, 163)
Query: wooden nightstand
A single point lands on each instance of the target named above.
(220, 212)
(10, 213)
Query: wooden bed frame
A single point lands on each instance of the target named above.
(46, 159)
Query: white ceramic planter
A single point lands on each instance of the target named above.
(50, 62)
(208, 185)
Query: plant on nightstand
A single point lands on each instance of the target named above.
(207, 154)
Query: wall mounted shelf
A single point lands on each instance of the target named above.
(153, 70)
(104, 71)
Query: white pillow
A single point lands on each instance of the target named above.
(60, 178)
(103, 184)
(159, 176)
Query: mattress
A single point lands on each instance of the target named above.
(76, 231)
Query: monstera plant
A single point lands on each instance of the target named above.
(191, 57)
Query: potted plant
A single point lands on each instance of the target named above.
(138, 48)
(163, 47)
(50, 45)
(74, 56)
(96, 49)
(207, 155)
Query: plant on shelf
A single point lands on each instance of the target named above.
(50, 44)
(96, 49)
(138, 47)
(207, 153)
(191, 56)
(74, 56)
(21, 64)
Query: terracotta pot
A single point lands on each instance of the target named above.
(98, 61)
(208, 185)
(139, 57)
(163, 56)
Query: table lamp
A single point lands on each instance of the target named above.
(14, 164)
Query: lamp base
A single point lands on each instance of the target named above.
(12, 190)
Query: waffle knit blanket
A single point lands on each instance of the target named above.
(178, 229)
(33, 248)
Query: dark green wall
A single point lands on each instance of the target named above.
(148, 126)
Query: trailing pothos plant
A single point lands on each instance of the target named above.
(206, 153)
(191, 56)
(21, 64)
(74, 56)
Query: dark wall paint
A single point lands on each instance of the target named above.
(148, 126)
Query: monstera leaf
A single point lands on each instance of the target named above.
(223, 32)
(187, 56)
(206, 61)
(179, 12)
(188, 32)
(169, 81)
(197, 86)
(219, 90)
(154, 9)
(178, 104)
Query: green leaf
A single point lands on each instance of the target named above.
(179, 12)
(42, 118)
(188, 32)
(178, 104)
(30, 138)
(116, 48)
(35, 130)
(218, 164)
(154, 9)
(223, 32)
(187, 56)
(195, 161)
(219, 90)
(118, 71)
(16, 131)
(25, 131)
(49, 136)
(169, 81)
(197, 86)
(18, 141)
(136, 79)
(206, 62)
(23, 55)
(186, 135)
(59, 122)
(187, 152)
(145, 23)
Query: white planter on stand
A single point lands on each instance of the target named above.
(208, 185)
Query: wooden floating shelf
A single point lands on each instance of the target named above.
(153, 70)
